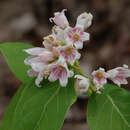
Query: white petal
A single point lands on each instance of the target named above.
(101, 69)
(112, 73)
(119, 81)
(27, 60)
(71, 73)
(38, 67)
(61, 61)
(84, 83)
(52, 78)
(60, 19)
(125, 66)
(80, 26)
(124, 81)
(68, 41)
(32, 73)
(71, 60)
(78, 55)
(34, 51)
(39, 79)
(32, 59)
(63, 80)
(46, 56)
(79, 45)
(85, 36)
(84, 20)
(60, 34)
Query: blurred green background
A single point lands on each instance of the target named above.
(28, 21)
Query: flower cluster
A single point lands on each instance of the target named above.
(117, 75)
(61, 51)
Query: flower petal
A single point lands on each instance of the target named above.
(85, 36)
(78, 45)
(63, 79)
(60, 19)
(52, 78)
(34, 51)
(38, 67)
(39, 79)
(31, 59)
(32, 73)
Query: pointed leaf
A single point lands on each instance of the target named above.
(39, 108)
(14, 55)
(109, 110)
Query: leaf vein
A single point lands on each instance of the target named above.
(45, 106)
(117, 109)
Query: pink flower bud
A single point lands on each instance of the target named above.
(60, 19)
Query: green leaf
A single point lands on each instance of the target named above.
(43, 108)
(14, 55)
(109, 110)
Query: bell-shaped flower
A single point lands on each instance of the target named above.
(83, 85)
(69, 53)
(39, 55)
(76, 37)
(60, 19)
(84, 20)
(119, 75)
(39, 59)
(99, 78)
(59, 70)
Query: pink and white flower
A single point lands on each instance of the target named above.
(69, 53)
(39, 55)
(39, 59)
(60, 19)
(119, 75)
(59, 70)
(99, 78)
(39, 71)
(84, 83)
(76, 37)
(84, 20)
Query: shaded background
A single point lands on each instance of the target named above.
(27, 21)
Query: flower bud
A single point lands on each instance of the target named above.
(83, 84)
(60, 19)
(84, 20)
